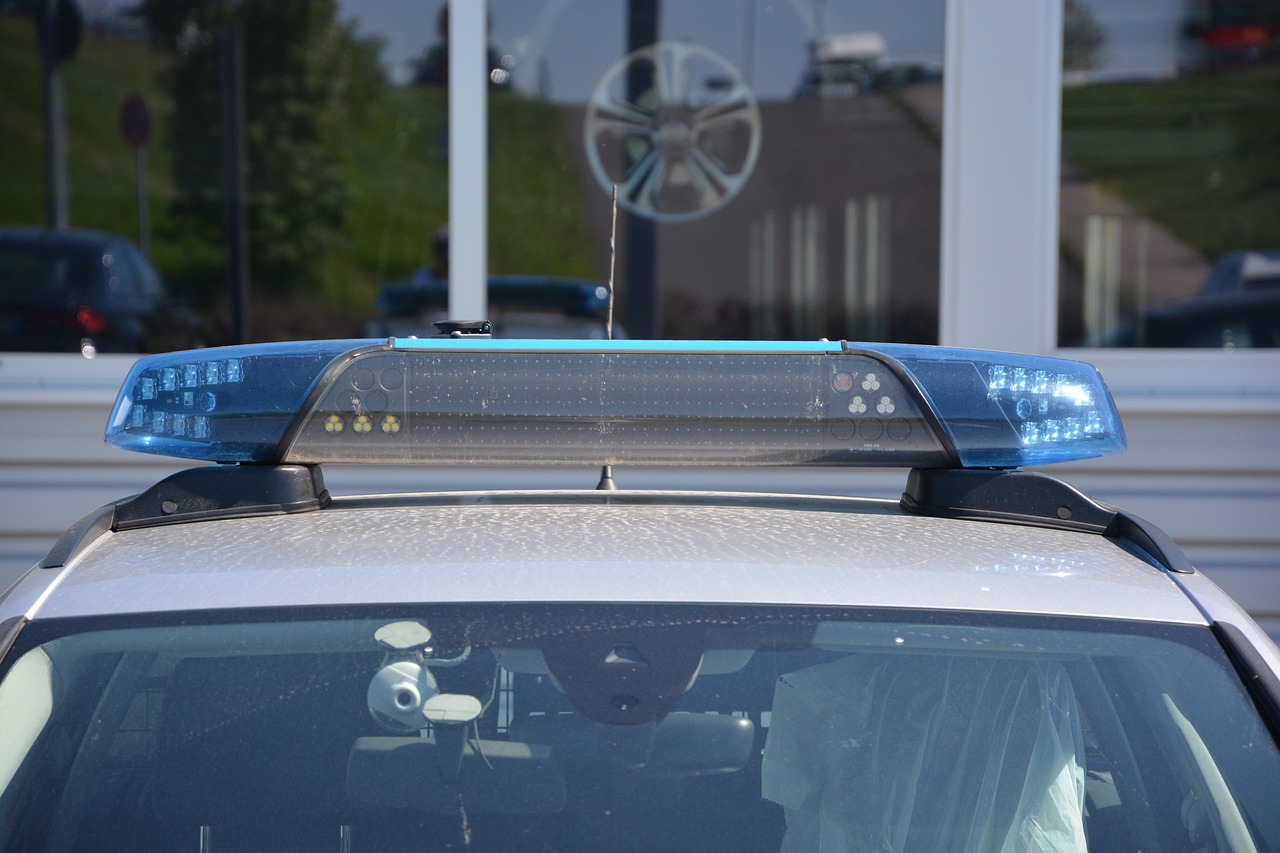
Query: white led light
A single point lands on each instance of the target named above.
(138, 417)
(200, 427)
(212, 372)
(169, 379)
(998, 378)
(1073, 392)
(234, 370)
(190, 375)
(178, 426)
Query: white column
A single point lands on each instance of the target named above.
(468, 160)
(1001, 117)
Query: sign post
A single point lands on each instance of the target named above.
(135, 124)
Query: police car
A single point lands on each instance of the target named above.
(237, 660)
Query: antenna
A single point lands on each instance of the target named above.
(606, 473)
(613, 254)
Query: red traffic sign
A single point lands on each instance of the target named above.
(135, 120)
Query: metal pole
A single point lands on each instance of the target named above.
(642, 293)
(144, 212)
(231, 63)
(55, 121)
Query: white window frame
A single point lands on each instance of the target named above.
(468, 161)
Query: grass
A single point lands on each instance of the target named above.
(101, 166)
(1200, 154)
(396, 168)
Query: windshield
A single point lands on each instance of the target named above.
(629, 727)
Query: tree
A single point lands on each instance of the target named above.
(307, 79)
(1082, 38)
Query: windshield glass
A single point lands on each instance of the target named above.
(629, 727)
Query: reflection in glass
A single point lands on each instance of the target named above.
(687, 142)
(1170, 206)
(777, 165)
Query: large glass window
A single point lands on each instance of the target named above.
(1170, 205)
(615, 727)
(777, 165)
(285, 165)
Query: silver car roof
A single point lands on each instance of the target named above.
(616, 547)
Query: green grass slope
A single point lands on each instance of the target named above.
(396, 168)
(1199, 154)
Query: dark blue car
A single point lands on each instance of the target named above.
(85, 291)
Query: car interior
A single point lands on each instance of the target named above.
(840, 736)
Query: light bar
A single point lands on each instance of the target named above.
(1000, 408)
(226, 404)
(478, 401)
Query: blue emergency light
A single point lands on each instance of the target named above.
(542, 402)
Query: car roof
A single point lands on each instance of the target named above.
(609, 547)
(70, 237)
(1261, 269)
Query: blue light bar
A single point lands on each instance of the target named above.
(227, 404)
(1010, 411)
(501, 402)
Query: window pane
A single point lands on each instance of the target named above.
(1170, 201)
(777, 165)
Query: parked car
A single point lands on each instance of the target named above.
(85, 291)
(842, 66)
(1241, 272)
(237, 659)
(519, 306)
(1238, 308)
(1244, 320)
